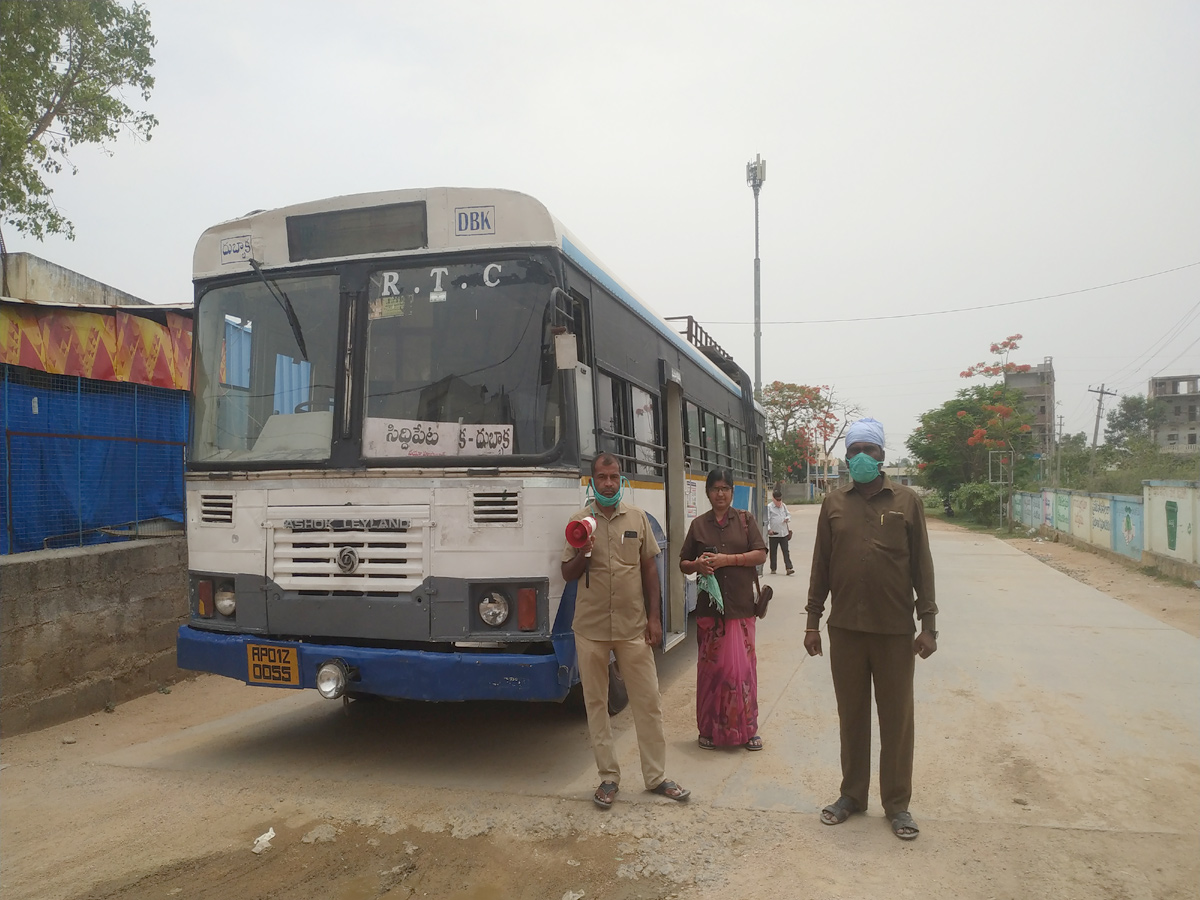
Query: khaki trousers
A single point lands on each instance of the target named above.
(635, 659)
(856, 659)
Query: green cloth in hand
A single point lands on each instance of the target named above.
(708, 584)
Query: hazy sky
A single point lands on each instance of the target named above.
(921, 157)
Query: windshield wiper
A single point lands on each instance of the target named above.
(286, 305)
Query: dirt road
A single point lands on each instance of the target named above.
(1058, 755)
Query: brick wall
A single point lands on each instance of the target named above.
(83, 628)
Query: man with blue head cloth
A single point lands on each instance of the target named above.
(872, 558)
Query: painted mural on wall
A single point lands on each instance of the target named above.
(1127, 526)
(1062, 512)
(1169, 516)
(1081, 516)
(1101, 525)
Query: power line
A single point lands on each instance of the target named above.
(1172, 362)
(946, 312)
(1126, 372)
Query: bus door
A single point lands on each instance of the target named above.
(674, 606)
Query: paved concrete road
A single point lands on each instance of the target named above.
(1058, 755)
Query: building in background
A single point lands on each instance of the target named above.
(1179, 396)
(1038, 386)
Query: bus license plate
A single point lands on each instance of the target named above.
(266, 664)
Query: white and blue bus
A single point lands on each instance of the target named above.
(397, 397)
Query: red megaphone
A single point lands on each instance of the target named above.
(579, 532)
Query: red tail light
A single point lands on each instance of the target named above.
(204, 598)
(527, 612)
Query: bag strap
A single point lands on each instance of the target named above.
(754, 569)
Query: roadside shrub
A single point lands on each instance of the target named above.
(980, 501)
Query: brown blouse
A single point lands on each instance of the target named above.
(739, 534)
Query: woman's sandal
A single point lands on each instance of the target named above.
(671, 791)
(755, 743)
(605, 794)
(904, 827)
(706, 743)
(839, 812)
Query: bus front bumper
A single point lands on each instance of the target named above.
(406, 674)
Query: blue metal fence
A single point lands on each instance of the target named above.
(85, 462)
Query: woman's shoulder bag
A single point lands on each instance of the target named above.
(763, 595)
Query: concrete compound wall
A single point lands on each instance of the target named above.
(82, 628)
(1172, 526)
(1160, 529)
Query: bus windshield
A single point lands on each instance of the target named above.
(460, 361)
(257, 398)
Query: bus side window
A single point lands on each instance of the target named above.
(646, 432)
(711, 457)
(692, 443)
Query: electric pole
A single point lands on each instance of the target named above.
(756, 174)
(1058, 454)
(1101, 394)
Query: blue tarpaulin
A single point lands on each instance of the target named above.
(80, 456)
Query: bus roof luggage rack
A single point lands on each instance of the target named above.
(703, 341)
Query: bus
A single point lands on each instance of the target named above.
(397, 396)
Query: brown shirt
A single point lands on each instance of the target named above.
(609, 605)
(739, 534)
(872, 554)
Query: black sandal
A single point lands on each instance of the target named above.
(605, 794)
(904, 827)
(839, 812)
(671, 791)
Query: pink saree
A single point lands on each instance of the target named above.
(726, 680)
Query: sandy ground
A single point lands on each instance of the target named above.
(1042, 774)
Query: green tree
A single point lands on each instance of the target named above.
(66, 64)
(1132, 421)
(802, 421)
(953, 442)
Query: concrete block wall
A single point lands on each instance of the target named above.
(82, 628)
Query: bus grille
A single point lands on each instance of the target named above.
(502, 507)
(368, 551)
(216, 509)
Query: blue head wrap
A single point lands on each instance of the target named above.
(866, 430)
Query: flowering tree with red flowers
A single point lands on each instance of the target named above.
(1006, 427)
(1001, 365)
(803, 421)
(955, 443)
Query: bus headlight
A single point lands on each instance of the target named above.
(331, 679)
(493, 608)
(226, 602)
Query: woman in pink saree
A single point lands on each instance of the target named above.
(727, 543)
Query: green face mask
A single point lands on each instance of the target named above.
(864, 468)
(609, 502)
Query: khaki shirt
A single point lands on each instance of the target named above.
(612, 608)
(873, 554)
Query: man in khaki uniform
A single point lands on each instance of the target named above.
(618, 609)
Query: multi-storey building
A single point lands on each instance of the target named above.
(1038, 386)
(1179, 397)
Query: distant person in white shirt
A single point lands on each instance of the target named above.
(779, 530)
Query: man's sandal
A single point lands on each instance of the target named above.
(904, 827)
(605, 794)
(671, 791)
(839, 812)
(755, 743)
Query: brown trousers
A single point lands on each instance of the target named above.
(856, 659)
(635, 659)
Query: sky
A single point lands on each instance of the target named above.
(921, 157)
